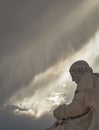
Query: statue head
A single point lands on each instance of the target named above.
(78, 69)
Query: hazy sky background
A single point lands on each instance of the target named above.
(39, 40)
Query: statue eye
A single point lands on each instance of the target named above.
(74, 70)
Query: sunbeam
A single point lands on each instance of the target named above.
(56, 91)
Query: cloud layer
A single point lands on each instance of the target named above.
(39, 41)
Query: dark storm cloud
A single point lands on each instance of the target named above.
(18, 19)
(11, 121)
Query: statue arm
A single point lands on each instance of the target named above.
(77, 107)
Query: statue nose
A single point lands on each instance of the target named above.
(73, 79)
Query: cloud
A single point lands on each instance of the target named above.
(50, 92)
(40, 94)
(39, 41)
(22, 60)
(11, 121)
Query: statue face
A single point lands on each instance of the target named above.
(78, 69)
(76, 76)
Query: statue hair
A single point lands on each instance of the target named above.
(81, 66)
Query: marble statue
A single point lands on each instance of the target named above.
(83, 112)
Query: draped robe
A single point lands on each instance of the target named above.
(83, 112)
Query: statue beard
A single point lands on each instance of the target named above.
(76, 78)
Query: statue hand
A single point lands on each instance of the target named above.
(59, 112)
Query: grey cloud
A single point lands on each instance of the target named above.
(12, 108)
(11, 121)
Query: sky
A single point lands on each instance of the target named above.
(39, 41)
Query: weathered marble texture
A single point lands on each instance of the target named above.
(83, 112)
